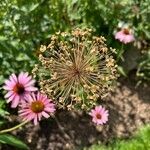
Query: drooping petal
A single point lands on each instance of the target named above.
(35, 120)
(45, 114)
(15, 102)
(11, 98)
(10, 93)
(7, 87)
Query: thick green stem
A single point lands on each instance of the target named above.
(13, 128)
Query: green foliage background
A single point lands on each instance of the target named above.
(24, 25)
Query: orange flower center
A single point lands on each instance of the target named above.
(37, 106)
(19, 89)
(126, 31)
(98, 116)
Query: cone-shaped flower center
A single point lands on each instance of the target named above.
(126, 31)
(98, 116)
(37, 106)
(19, 88)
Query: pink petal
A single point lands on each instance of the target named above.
(31, 88)
(33, 96)
(30, 83)
(15, 101)
(39, 116)
(10, 93)
(35, 120)
(14, 77)
(9, 83)
(99, 122)
(23, 109)
(10, 98)
(29, 98)
(25, 113)
(21, 77)
(45, 114)
(24, 78)
(38, 96)
(49, 109)
(31, 116)
(7, 87)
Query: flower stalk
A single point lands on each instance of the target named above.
(13, 128)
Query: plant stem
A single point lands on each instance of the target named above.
(13, 128)
(66, 136)
(120, 53)
(61, 128)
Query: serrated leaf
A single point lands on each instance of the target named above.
(12, 140)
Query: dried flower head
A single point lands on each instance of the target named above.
(76, 69)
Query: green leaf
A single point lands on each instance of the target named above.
(1, 122)
(122, 71)
(11, 140)
(3, 112)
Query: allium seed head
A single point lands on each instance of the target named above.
(76, 69)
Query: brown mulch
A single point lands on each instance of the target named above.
(129, 108)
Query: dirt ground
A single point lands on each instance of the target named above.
(129, 108)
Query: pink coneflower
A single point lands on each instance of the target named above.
(35, 106)
(18, 88)
(125, 36)
(100, 115)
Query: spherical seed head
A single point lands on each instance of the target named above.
(76, 69)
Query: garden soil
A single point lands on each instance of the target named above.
(129, 108)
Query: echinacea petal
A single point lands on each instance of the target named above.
(18, 88)
(99, 115)
(30, 83)
(47, 109)
(27, 112)
(22, 78)
(124, 37)
(10, 93)
(7, 87)
(14, 77)
(45, 114)
(15, 102)
(39, 116)
(29, 98)
(10, 84)
(35, 120)
(11, 98)
(34, 108)
(31, 89)
(30, 116)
